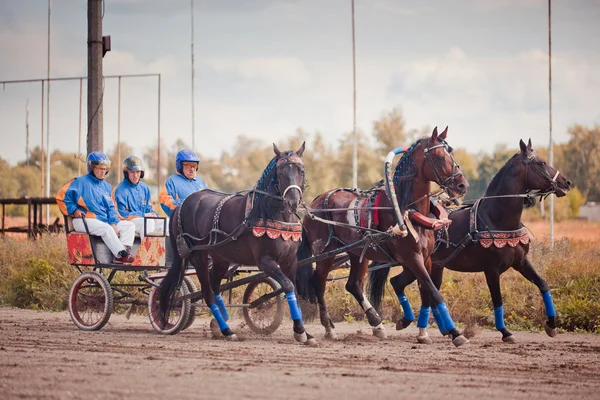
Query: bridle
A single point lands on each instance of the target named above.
(456, 172)
(541, 172)
(288, 159)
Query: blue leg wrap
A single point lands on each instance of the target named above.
(221, 304)
(499, 317)
(218, 317)
(423, 317)
(295, 311)
(550, 312)
(445, 317)
(406, 308)
(438, 320)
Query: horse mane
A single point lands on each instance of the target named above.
(404, 175)
(266, 207)
(497, 179)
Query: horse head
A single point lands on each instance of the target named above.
(290, 176)
(543, 177)
(441, 167)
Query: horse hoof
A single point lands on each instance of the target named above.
(550, 331)
(232, 338)
(402, 324)
(312, 342)
(379, 332)
(424, 340)
(300, 337)
(331, 335)
(509, 339)
(214, 328)
(460, 340)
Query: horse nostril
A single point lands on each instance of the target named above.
(461, 186)
(568, 183)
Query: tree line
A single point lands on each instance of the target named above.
(327, 165)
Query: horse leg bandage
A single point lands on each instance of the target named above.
(406, 308)
(423, 317)
(222, 308)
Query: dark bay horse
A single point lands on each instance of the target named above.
(427, 160)
(487, 237)
(256, 228)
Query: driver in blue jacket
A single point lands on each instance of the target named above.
(183, 183)
(133, 200)
(89, 196)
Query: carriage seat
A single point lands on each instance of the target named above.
(101, 251)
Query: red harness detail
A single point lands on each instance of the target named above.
(376, 210)
(276, 229)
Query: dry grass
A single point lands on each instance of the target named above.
(37, 274)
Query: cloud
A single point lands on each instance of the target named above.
(283, 72)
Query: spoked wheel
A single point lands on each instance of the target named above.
(263, 318)
(90, 301)
(193, 307)
(179, 311)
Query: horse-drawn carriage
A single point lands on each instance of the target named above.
(102, 285)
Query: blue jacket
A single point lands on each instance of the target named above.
(132, 200)
(176, 188)
(90, 195)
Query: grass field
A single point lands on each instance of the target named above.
(37, 274)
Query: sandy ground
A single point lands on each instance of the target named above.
(44, 356)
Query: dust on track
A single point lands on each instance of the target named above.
(44, 356)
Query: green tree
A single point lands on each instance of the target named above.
(582, 160)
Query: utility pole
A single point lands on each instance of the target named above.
(193, 107)
(355, 145)
(551, 146)
(27, 132)
(95, 113)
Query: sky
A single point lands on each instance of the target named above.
(264, 68)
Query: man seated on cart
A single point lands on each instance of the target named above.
(183, 183)
(133, 200)
(89, 196)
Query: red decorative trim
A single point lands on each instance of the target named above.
(277, 229)
(376, 210)
(501, 239)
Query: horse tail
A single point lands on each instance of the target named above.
(304, 273)
(170, 283)
(376, 286)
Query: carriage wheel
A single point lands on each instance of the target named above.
(179, 311)
(265, 318)
(90, 301)
(193, 307)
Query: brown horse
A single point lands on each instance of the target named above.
(258, 227)
(487, 237)
(427, 160)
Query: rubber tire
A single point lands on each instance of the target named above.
(184, 313)
(194, 306)
(104, 303)
(276, 321)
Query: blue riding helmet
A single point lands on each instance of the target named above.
(133, 163)
(97, 158)
(185, 155)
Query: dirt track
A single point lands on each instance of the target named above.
(44, 356)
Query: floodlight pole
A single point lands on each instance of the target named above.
(551, 145)
(355, 144)
(192, 59)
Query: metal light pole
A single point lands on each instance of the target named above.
(48, 119)
(192, 57)
(355, 145)
(551, 145)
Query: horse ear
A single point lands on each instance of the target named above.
(276, 150)
(529, 144)
(444, 133)
(300, 151)
(523, 146)
(434, 135)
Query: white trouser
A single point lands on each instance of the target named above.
(152, 226)
(107, 233)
